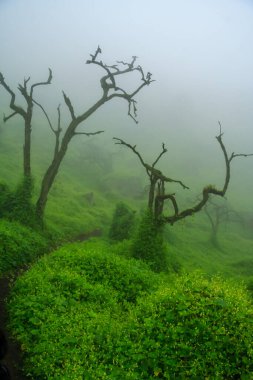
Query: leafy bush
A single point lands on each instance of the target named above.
(17, 205)
(7, 200)
(19, 245)
(197, 329)
(122, 223)
(24, 210)
(149, 245)
(70, 303)
(72, 326)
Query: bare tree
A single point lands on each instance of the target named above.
(157, 192)
(110, 90)
(218, 214)
(25, 113)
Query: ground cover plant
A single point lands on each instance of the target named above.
(71, 291)
(86, 312)
(19, 245)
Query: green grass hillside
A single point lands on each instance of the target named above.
(89, 310)
(94, 177)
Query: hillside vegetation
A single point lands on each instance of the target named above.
(90, 310)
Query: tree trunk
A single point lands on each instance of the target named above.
(49, 177)
(27, 148)
(52, 170)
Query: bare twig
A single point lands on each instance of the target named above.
(108, 81)
(88, 133)
(69, 105)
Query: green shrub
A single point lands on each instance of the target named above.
(73, 327)
(23, 210)
(69, 309)
(198, 329)
(17, 205)
(122, 223)
(19, 245)
(148, 244)
(7, 200)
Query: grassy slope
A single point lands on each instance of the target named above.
(69, 212)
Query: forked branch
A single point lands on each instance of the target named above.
(109, 85)
(208, 190)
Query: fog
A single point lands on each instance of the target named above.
(200, 55)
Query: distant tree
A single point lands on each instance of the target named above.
(26, 113)
(157, 195)
(217, 215)
(110, 90)
(21, 199)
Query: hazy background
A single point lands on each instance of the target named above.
(200, 55)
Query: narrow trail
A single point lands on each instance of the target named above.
(13, 360)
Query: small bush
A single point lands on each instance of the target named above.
(122, 223)
(7, 200)
(148, 244)
(19, 245)
(17, 205)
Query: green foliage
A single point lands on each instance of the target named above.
(70, 316)
(24, 210)
(197, 329)
(7, 200)
(17, 205)
(122, 222)
(19, 245)
(68, 310)
(148, 244)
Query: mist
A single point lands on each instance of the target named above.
(200, 56)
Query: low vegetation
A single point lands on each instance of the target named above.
(19, 245)
(87, 312)
(131, 304)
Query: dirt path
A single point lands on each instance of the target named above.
(13, 360)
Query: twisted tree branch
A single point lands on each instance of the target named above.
(108, 81)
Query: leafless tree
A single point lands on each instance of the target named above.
(157, 182)
(110, 91)
(26, 113)
(217, 214)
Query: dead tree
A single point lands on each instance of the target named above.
(218, 214)
(157, 181)
(110, 90)
(26, 113)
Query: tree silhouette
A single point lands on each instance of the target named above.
(63, 136)
(110, 91)
(157, 185)
(218, 214)
(25, 113)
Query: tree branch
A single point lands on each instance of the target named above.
(46, 115)
(69, 105)
(48, 81)
(208, 190)
(13, 106)
(88, 133)
(108, 82)
(5, 118)
(133, 148)
(164, 150)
